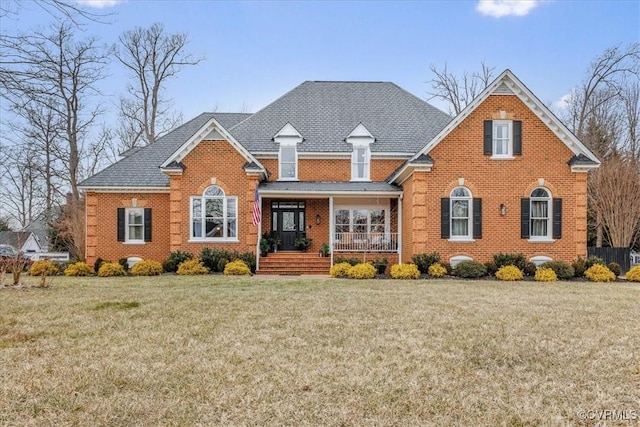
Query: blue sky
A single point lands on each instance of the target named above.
(256, 51)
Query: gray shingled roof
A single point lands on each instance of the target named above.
(326, 112)
(142, 168)
(327, 187)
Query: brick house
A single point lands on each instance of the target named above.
(366, 167)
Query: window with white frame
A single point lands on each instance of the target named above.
(288, 162)
(134, 225)
(214, 215)
(461, 215)
(360, 220)
(502, 139)
(360, 163)
(540, 214)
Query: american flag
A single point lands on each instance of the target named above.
(257, 211)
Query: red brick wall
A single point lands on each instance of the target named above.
(460, 155)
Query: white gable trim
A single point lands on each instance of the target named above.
(508, 79)
(210, 126)
(360, 136)
(288, 135)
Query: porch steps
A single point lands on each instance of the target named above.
(294, 263)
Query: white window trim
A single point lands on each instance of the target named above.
(351, 208)
(202, 198)
(509, 155)
(549, 237)
(127, 240)
(469, 236)
(354, 169)
(293, 145)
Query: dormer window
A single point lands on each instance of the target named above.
(361, 139)
(288, 138)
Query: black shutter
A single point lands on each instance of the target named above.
(525, 215)
(445, 227)
(517, 138)
(120, 224)
(477, 218)
(557, 218)
(488, 137)
(147, 224)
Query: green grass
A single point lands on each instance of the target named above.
(216, 350)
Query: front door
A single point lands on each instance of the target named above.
(288, 223)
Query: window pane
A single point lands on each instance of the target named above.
(459, 227)
(288, 170)
(539, 227)
(135, 217)
(288, 155)
(460, 192)
(231, 208)
(197, 228)
(196, 211)
(213, 191)
(342, 216)
(135, 232)
(231, 228)
(288, 221)
(459, 208)
(214, 227)
(213, 208)
(300, 221)
(539, 192)
(274, 221)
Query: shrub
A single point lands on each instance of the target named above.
(579, 267)
(470, 270)
(364, 270)
(491, 267)
(599, 273)
(43, 267)
(633, 275)
(518, 260)
(615, 268)
(530, 269)
(545, 274)
(447, 266)
(191, 267)
(405, 271)
(111, 269)
(124, 263)
(216, 259)
(563, 270)
(380, 265)
(249, 258)
(593, 260)
(237, 268)
(437, 270)
(424, 261)
(78, 269)
(340, 269)
(146, 267)
(97, 264)
(350, 261)
(509, 273)
(170, 265)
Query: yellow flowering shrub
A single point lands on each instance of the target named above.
(78, 269)
(509, 273)
(599, 273)
(405, 271)
(111, 269)
(192, 267)
(437, 270)
(364, 270)
(43, 267)
(633, 275)
(340, 270)
(545, 274)
(236, 268)
(147, 267)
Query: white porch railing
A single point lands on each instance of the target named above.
(365, 242)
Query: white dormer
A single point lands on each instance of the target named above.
(360, 139)
(288, 138)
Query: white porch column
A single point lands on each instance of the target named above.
(259, 225)
(400, 229)
(331, 227)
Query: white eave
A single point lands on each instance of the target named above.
(214, 129)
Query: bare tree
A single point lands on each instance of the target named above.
(151, 57)
(614, 195)
(459, 91)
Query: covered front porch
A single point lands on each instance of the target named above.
(330, 220)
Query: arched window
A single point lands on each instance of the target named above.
(214, 215)
(461, 215)
(540, 219)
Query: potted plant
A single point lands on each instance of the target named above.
(381, 265)
(324, 250)
(303, 243)
(272, 241)
(264, 246)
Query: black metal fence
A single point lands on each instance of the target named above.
(620, 256)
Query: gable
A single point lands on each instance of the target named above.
(507, 85)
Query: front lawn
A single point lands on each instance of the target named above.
(216, 350)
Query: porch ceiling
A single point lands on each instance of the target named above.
(325, 188)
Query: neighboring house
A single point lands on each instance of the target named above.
(364, 166)
(40, 229)
(24, 241)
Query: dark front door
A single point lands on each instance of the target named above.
(288, 223)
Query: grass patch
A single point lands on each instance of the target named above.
(219, 350)
(117, 305)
